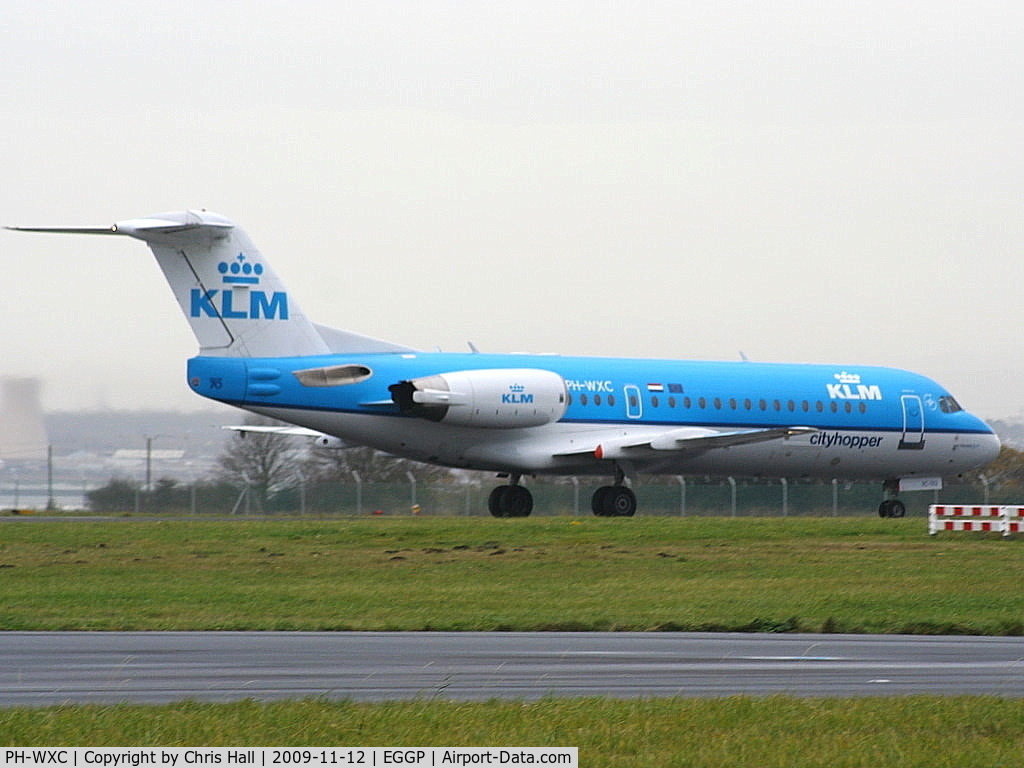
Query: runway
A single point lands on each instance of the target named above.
(42, 668)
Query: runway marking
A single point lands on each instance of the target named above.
(791, 658)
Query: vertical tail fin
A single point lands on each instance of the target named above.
(229, 294)
(235, 303)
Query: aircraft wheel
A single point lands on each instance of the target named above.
(510, 501)
(892, 508)
(494, 501)
(597, 501)
(613, 501)
(518, 501)
(622, 500)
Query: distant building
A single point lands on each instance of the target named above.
(22, 432)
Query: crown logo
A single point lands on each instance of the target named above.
(516, 388)
(848, 378)
(240, 271)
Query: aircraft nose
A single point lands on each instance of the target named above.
(991, 447)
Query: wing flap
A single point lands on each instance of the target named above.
(688, 442)
(684, 440)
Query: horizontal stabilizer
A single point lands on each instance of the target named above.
(94, 230)
(149, 227)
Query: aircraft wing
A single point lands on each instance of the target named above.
(686, 440)
(322, 440)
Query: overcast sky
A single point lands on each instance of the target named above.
(799, 182)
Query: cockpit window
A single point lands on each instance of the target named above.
(948, 404)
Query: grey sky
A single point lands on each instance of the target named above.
(799, 182)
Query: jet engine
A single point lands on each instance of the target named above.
(500, 398)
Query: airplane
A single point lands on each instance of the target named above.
(526, 415)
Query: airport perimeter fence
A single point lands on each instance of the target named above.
(681, 497)
(664, 496)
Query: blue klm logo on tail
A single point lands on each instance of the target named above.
(224, 303)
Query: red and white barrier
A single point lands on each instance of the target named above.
(975, 517)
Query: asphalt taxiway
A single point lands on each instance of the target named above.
(41, 668)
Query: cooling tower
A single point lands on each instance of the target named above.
(22, 432)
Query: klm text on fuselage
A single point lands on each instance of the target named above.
(854, 391)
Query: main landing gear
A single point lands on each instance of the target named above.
(614, 500)
(512, 500)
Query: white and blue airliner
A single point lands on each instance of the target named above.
(521, 415)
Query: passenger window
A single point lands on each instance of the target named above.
(848, 406)
(671, 402)
(862, 407)
(819, 406)
(583, 399)
(762, 404)
(718, 403)
(654, 401)
(687, 402)
(611, 399)
(791, 405)
(703, 403)
(747, 404)
(805, 406)
(732, 403)
(777, 405)
(597, 399)
(569, 399)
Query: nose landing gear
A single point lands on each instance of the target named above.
(892, 507)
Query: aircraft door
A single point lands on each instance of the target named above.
(913, 423)
(634, 403)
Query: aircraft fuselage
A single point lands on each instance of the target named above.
(863, 422)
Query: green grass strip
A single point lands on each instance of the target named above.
(740, 731)
(814, 575)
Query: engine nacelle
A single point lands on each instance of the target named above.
(500, 398)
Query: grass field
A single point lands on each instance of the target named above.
(778, 731)
(805, 574)
(815, 575)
